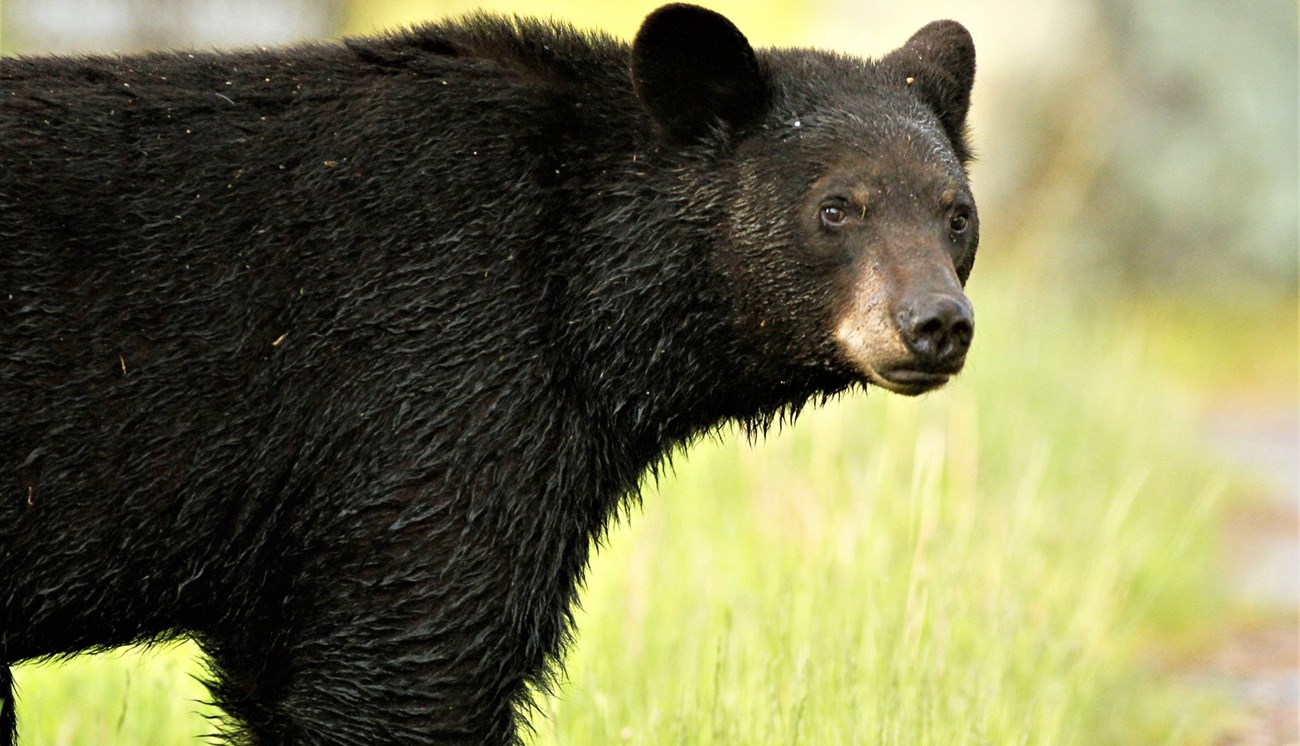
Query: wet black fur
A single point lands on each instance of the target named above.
(338, 358)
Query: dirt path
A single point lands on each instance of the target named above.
(1258, 661)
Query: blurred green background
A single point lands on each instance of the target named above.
(1062, 546)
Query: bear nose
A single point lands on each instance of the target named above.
(938, 328)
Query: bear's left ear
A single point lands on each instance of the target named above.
(693, 69)
(938, 62)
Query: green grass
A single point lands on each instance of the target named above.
(987, 564)
(981, 566)
(132, 697)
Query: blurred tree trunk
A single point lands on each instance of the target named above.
(1164, 156)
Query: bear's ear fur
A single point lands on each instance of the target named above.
(938, 62)
(693, 70)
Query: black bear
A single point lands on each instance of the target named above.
(338, 358)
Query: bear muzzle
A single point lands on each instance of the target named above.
(910, 346)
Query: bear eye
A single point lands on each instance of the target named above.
(833, 216)
(959, 223)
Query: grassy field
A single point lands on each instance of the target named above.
(987, 564)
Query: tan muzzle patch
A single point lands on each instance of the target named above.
(869, 337)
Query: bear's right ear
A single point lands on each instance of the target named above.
(938, 62)
(693, 70)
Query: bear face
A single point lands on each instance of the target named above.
(878, 227)
(847, 203)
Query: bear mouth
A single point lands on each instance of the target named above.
(907, 381)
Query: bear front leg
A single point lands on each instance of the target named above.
(398, 650)
(379, 678)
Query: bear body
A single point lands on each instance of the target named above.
(338, 358)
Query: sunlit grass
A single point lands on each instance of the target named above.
(130, 697)
(982, 565)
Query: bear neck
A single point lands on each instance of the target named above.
(651, 357)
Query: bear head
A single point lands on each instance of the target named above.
(837, 192)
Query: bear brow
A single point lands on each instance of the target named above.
(863, 194)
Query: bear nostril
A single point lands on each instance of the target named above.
(963, 330)
(938, 329)
(931, 328)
